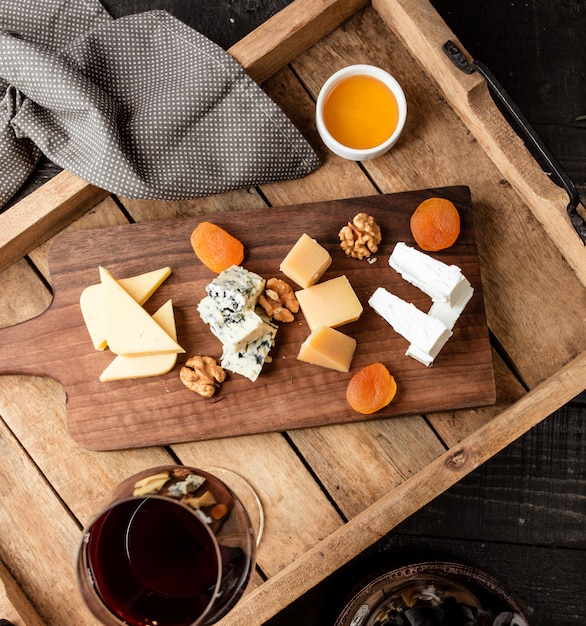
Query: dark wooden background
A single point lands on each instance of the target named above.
(522, 516)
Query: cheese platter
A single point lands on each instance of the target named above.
(289, 393)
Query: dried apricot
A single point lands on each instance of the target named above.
(435, 224)
(215, 248)
(371, 389)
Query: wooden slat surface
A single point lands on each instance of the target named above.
(539, 365)
(396, 506)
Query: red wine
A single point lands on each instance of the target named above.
(153, 561)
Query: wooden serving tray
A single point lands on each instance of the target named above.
(328, 492)
(288, 394)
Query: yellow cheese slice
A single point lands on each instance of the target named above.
(331, 303)
(143, 286)
(140, 287)
(306, 262)
(124, 367)
(90, 302)
(329, 348)
(129, 328)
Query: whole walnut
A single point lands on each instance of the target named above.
(360, 237)
(202, 374)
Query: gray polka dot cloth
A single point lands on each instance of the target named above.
(142, 106)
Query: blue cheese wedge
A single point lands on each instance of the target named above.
(235, 329)
(247, 335)
(249, 360)
(426, 333)
(441, 282)
(235, 289)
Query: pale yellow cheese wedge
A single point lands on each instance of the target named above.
(143, 286)
(306, 262)
(129, 328)
(140, 287)
(332, 303)
(329, 348)
(90, 302)
(124, 367)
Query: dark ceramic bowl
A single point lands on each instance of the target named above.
(434, 594)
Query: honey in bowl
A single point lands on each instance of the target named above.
(360, 112)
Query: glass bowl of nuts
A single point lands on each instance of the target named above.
(434, 593)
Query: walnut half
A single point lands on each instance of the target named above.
(360, 238)
(278, 300)
(202, 374)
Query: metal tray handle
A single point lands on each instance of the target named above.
(533, 141)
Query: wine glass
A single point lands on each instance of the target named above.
(173, 546)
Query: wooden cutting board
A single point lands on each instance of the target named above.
(288, 394)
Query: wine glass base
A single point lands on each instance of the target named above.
(246, 494)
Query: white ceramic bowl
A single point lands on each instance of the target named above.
(340, 149)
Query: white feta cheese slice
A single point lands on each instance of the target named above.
(441, 282)
(235, 289)
(425, 357)
(446, 314)
(234, 330)
(449, 314)
(248, 360)
(424, 332)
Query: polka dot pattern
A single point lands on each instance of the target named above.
(142, 106)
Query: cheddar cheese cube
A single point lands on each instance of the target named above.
(306, 262)
(328, 347)
(332, 303)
